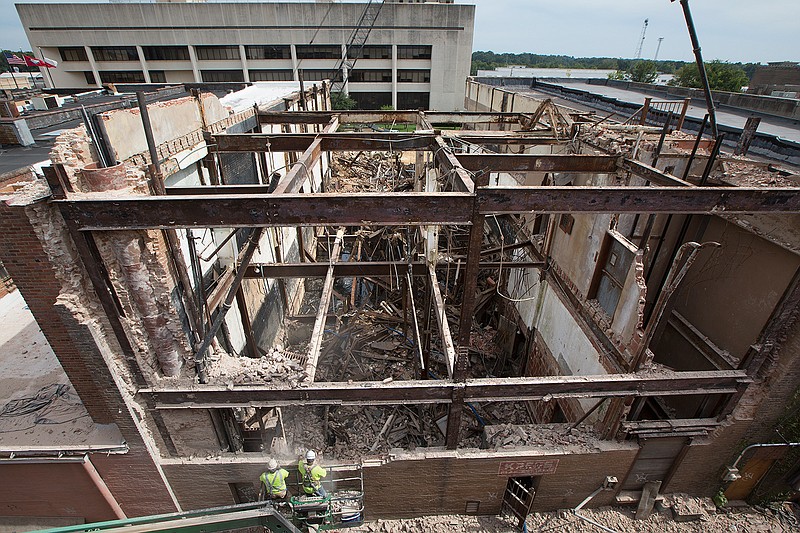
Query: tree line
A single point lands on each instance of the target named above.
(722, 75)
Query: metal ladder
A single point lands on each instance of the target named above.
(355, 44)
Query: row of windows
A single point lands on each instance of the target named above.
(359, 76)
(224, 53)
(376, 100)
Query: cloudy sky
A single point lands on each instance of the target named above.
(733, 30)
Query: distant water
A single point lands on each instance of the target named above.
(575, 73)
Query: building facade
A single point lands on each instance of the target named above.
(417, 55)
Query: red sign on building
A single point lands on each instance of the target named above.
(528, 468)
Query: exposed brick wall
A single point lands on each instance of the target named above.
(438, 485)
(133, 478)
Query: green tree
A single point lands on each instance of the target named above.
(616, 75)
(722, 76)
(643, 72)
(342, 102)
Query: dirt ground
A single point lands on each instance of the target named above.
(738, 520)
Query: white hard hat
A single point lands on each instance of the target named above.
(311, 456)
(272, 465)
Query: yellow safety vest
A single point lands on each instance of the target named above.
(275, 481)
(311, 479)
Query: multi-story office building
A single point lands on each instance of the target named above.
(417, 54)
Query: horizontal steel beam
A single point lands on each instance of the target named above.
(329, 142)
(373, 269)
(713, 200)
(385, 117)
(225, 211)
(441, 391)
(602, 164)
(652, 174)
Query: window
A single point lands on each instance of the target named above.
(166, 53)
(316, 75)
(609, 278)
(566, 222)
(414, 76)
(73, 53)
(266, 51)
(271, 75)
(89, 75)
(413, 100)
(122, 76)
(115, 53)
(413, 52)
(319, 52)
(217, 53)
(372, 99)
(371, 52)
(370, 76)
(157, 76)
(221, 76)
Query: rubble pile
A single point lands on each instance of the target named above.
(370, 171)
(545, 435)
(741, 520)
(354, 432)
(278, 366)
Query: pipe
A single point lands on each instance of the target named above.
(103, 488)
(701, 67)
(148, 131)
(597, 491)
(767, 445)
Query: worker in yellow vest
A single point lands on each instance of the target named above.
(312, 473)
(273, 482)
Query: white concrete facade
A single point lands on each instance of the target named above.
(422, 50)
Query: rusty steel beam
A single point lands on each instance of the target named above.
(448, 348)
(372, 117)
(329, 142)
(502, 137)
(302, 169)
(442, 391)
(652, 174)
(601, 164)
(226, 211)
(321, 319)
(449, 163)
(372, 269)
(701, 200)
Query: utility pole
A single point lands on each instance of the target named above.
(655, 57)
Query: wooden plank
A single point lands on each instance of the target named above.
(317, 334)
(448, 348)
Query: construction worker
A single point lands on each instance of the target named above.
(273, 482)
(311, 473)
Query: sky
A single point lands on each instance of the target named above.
(730, 30)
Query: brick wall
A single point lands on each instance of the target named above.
(427, 485)
(84, 345)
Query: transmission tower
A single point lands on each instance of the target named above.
(641, 40)
(658, 48)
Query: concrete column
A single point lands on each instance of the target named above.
(345, 70)
(394, 76)
(243, 59)
(195, 69)
(143, 62)
(93, 64)
(295, 75)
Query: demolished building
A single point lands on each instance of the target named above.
(511, 303)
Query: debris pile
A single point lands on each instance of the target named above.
(743, 519)
(352, 432)
(277, 366)
(370, 171)
(546, 435)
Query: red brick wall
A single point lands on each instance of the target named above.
(51, 489)
(133, 478)
(438, 485)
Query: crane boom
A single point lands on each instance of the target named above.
(641, 40)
